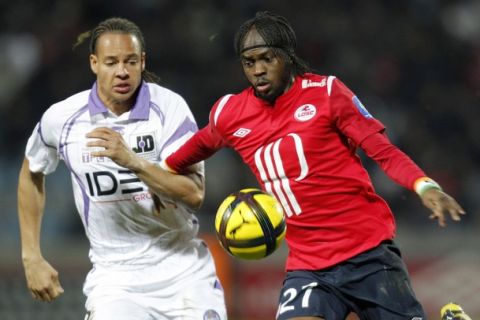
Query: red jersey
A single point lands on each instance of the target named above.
(302, 150)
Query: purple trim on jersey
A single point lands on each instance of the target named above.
(41, 136)
(139, 111)
(159, 112)
(186, 126)
(63, 144)
(218, 285)
(95, 105)
(69, 124)
(141, 108)
(86, 200)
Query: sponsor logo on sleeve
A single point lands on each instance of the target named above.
(361, 108)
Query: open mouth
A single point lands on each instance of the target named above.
(263, 86)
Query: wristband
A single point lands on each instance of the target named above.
(421, 185)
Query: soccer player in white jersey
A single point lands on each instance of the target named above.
(147, 260)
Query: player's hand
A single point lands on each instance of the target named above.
(114, 147)
(42, 280)
(441, 203)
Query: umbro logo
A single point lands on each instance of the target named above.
(242, 132)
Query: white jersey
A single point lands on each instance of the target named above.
(116, 208)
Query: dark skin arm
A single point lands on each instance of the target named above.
(396, 164)
(441, 204)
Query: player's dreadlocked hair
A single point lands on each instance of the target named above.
(277, 33)
(116, 25)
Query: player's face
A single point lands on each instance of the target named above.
(118, 63)
(266, 71)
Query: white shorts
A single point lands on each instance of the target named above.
(183, 286)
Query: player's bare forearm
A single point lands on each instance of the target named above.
(188, 189)
(42, 278)
(31, 202)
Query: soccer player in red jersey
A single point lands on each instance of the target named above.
(298, 132)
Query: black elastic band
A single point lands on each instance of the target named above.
(260, 46)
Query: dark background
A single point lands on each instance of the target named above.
(414, 64)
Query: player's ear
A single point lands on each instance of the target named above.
(143, 61)
(94, 63)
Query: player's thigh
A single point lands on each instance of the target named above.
(118, 309)
(386, 293)
(393, 297)
(304, 297)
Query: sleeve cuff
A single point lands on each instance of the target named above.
(165, 166)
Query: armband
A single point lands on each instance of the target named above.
(421, 185)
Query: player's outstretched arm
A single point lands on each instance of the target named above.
(441, 204)
(188, 189)
(42, 278)
(401, 169)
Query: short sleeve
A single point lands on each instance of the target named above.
(180, 125)
(349, 114)
(42, 156)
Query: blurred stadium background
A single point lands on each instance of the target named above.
(415, 64)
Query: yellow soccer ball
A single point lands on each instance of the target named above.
(453, 311)
(250, 224)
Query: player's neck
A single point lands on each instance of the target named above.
(288, 85)
(118, 107)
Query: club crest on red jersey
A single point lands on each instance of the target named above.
(305, 112)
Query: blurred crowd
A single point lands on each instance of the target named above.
(414, 64)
